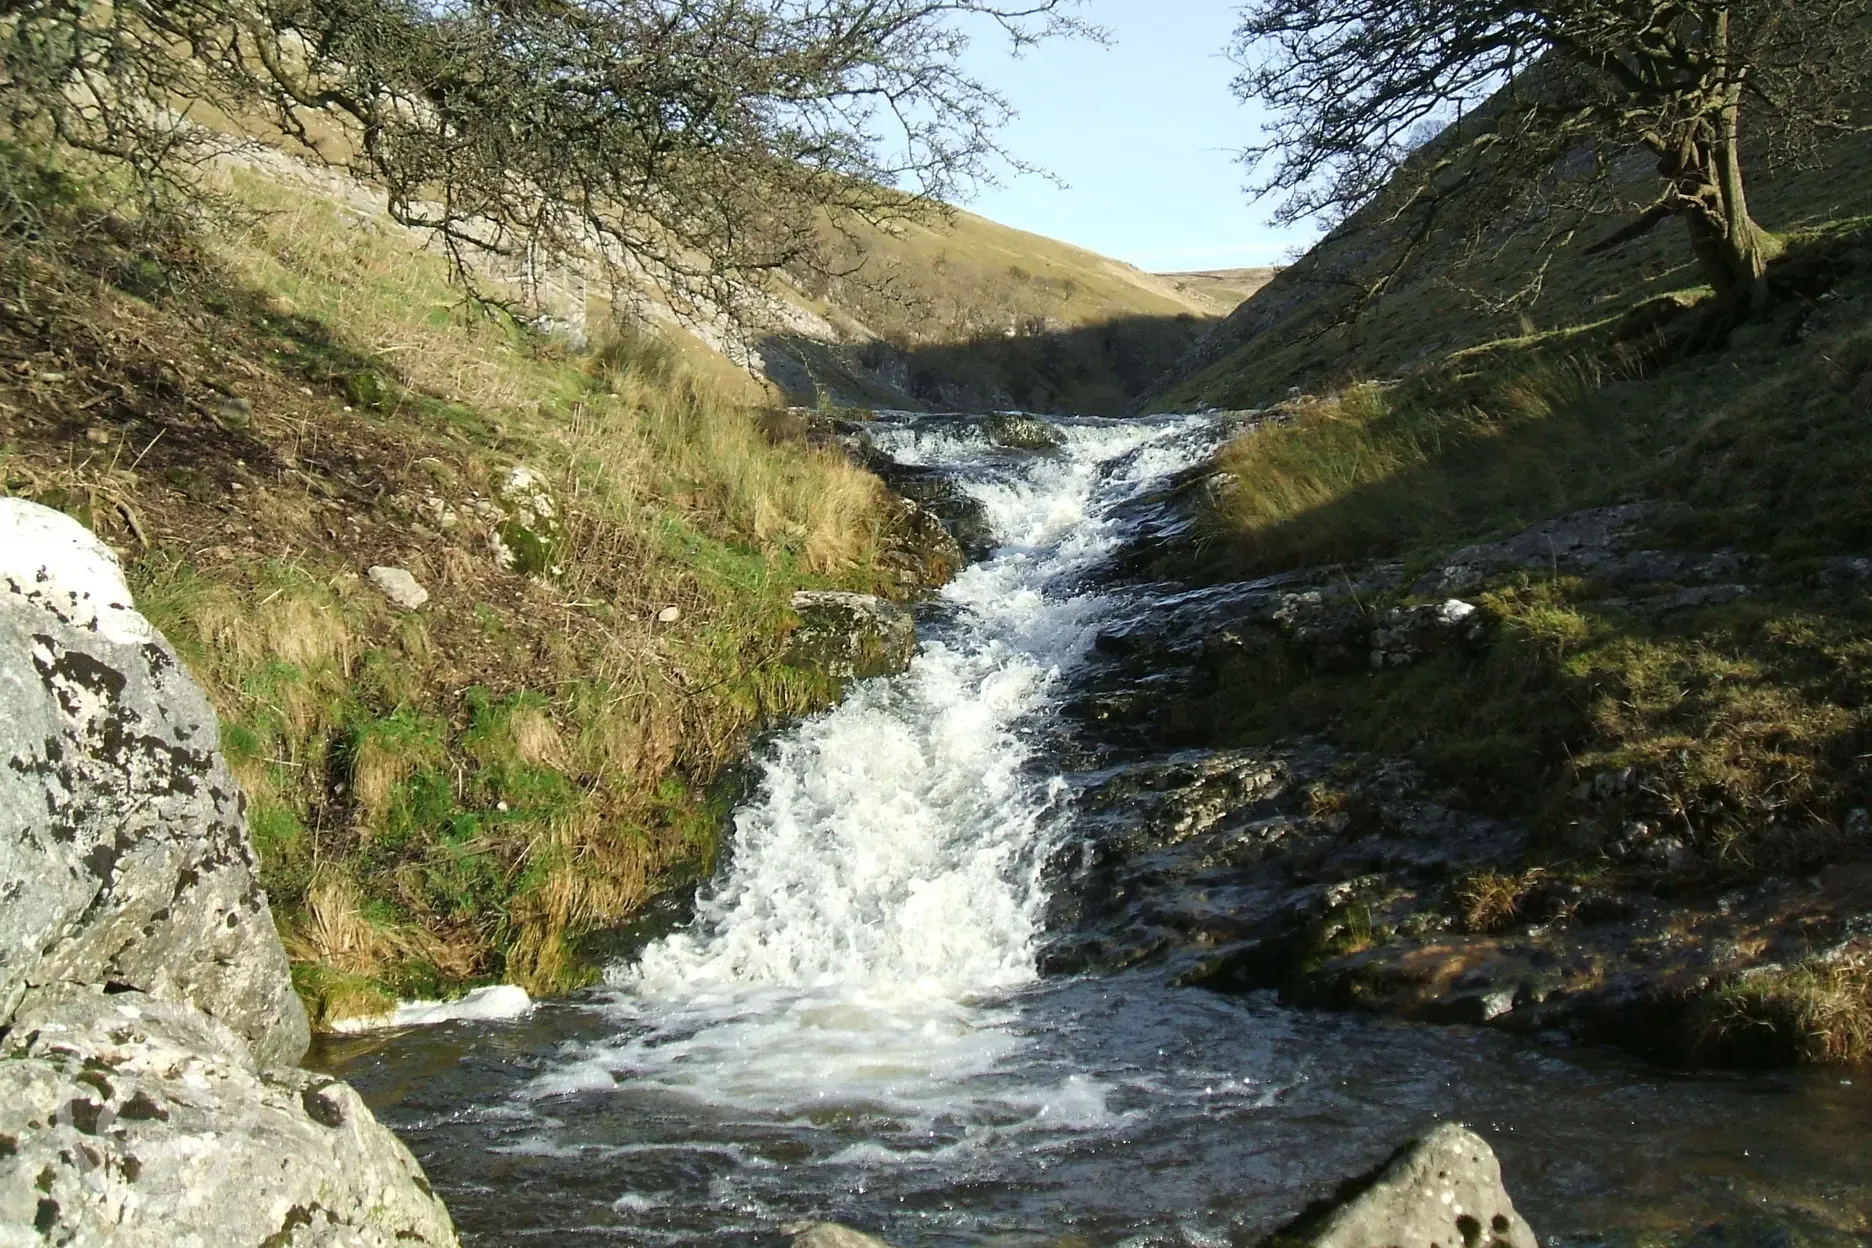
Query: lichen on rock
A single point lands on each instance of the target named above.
(851, 636)
(1440, 1191)
(124, 856)
(529, 532)
(136, 1122)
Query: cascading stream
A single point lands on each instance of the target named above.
(887, 876)
(853, 1028)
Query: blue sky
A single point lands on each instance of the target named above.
(1143, 132)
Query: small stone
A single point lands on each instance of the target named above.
(669, 615)
(98, 434)
(399, 587)
(829, 1235)
(234, 413)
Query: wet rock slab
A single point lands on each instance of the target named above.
(1337, 881)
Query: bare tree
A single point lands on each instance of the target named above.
(693, 143)
(1536, 104)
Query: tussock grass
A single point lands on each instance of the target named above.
(467, 792)
(1817, 1012)
(1491, 900)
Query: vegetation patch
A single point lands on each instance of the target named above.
(460, 792)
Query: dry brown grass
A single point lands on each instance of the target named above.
(1491, 901)
(333, 931)
(1817, 1013)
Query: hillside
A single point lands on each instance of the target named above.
(1584, 572)
(460, 777)
(1292, 332)
(1229, 288)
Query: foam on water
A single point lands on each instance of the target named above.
(884, 892)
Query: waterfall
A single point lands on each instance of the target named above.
(884, 884)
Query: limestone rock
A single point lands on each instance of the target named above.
(529, 533)
(1594, 543)
(938, 492)
(1443, 1190)
(829, 1235)
(139, 1123)
(399, 587)
(851, 636)
(124, 857)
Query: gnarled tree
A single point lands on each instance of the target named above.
(1536, 106)
(693, 143)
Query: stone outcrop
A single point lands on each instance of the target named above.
(1442, 1191)
(124, 859)
(147, 1017)
(528, 533)
(851, 636)
(1597, 543)
(139, 1123)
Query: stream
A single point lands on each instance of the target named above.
(852, 1028)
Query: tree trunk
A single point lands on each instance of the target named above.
(1733, 249)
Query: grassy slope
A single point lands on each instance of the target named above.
(1287, 336)
(1749, 723)
(256, 417)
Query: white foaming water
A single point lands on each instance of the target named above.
(885, 882)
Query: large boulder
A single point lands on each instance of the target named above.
(138, 1123)
(1442, 1191)
(147, 1017)
(851, 636)
(124, 858)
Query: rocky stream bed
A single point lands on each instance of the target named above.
(1004, 948)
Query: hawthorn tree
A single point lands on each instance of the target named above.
(694, 143)
(1537, 107)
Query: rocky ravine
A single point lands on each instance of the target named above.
(148, 1024)
(1343, 880)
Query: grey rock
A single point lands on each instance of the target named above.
(1023, 433)
(400, 587)
(1225, 866)
(829, 1235)
(1410, 633)
(1843, 568)
(140, 1123)
(1593, 543)
(1681, 599)
(234, 413)
(528, 532)
(124, 857)
(851, 636)
(938, 492)
(1445, 1189)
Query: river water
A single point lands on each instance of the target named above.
(851, 1027)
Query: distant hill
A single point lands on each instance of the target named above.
(967, 313)
(1229, 288)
